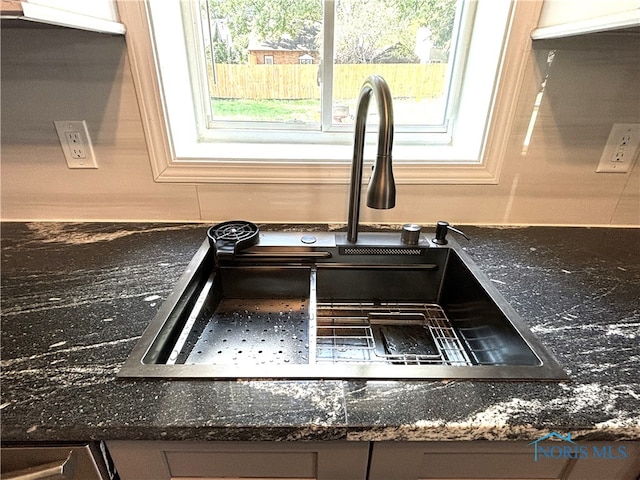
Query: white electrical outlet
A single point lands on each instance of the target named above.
(76, 143)
(621, 148)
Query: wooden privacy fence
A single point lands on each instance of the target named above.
(406, 80)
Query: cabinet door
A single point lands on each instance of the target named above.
(231, 460)
(461, 461)
(502, 460)
(610, 460)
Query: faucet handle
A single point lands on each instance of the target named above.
(442, 228)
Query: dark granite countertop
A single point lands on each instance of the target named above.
(77, 296)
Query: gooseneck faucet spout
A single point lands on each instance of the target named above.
(381, 192)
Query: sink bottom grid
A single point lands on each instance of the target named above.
(391, 333)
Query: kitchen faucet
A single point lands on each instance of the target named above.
(381, 192)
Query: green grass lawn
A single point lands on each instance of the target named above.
(407, 111)
(266, 110)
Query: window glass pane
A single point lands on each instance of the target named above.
(262, 60)
(408, 42)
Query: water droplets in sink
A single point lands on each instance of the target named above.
(269, 332)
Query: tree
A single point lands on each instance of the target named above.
(384, 31)
(437, 15)
(269, 19)
(366, 30)
(369, 30)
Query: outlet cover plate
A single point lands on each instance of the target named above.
(76, 143)
(621, 149)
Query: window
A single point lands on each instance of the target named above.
(351, 40)
(440, 138)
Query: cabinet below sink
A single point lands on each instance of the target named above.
(348, 460)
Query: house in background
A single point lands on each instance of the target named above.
(286, 50)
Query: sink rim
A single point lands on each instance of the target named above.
(135, 367)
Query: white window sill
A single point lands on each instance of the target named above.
(318, 164)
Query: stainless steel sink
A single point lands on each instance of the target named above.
(317, 306)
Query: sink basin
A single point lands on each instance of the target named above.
(316, 306)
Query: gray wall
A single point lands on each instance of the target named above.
(51, 73)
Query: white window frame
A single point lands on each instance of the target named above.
(470, 158)
(324, 132)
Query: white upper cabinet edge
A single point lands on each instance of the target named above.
(565, 18)
(96, 15)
